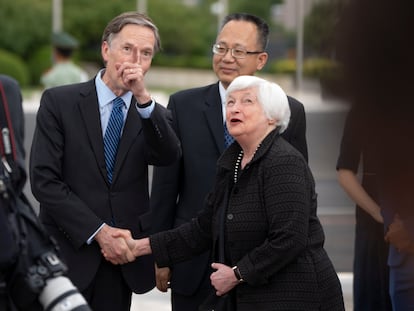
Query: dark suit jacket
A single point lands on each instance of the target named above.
(69, 179)
(198, 122)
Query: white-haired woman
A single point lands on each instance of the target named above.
(260, 217)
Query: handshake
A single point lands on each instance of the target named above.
(118, 246)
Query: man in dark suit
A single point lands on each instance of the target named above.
(82, 200)
(178, 191)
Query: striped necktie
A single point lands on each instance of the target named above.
(228, 139)
(113, 135)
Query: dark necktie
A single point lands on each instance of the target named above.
(228, 139)
(113, 135)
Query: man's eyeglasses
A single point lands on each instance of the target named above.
(235, 52)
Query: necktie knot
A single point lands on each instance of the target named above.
(118, 103)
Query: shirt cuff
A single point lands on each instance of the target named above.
(90, 240)
(146, 111)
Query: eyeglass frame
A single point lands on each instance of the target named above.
(217, 45)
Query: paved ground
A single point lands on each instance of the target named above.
(158, 301)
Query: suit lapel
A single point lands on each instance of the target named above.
(89, 109)
(213, 113)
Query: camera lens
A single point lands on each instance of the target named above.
(60, 294)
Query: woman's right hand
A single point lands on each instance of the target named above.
(223, 279)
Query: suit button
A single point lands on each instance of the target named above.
(230, 216)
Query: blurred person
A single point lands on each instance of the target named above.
(64, 70)
(12, 97)
(83, 191)
(32, 276)
(370, 271)
(178, 191)
(8, 255)
(378, 63)
(260, 219)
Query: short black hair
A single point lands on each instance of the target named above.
(262, 26)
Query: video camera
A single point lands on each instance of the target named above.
(37, 277)
(31, 274)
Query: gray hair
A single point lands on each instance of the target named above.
(270, 95)
(128, 18)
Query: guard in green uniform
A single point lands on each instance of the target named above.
(64, 70)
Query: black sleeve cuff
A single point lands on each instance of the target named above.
(144, 105)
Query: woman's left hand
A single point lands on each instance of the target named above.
(223, 279)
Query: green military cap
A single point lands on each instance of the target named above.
(64, 40)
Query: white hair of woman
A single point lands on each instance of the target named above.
(269, 94)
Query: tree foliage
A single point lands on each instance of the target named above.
(260, 8)
(187, 32)
(86, 20)
(24, 25)
(184, 30)
(320, 26)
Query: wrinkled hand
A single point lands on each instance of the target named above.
(223, 279)
(162, 278)
(114, 249)
(398, 236)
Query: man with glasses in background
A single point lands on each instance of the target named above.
(178, 191)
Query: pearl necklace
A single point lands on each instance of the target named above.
(238, 163)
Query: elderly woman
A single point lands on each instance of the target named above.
(260, 217)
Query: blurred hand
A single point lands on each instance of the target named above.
(398, 236)
(223, 279)
(162, 278)
(114, 249)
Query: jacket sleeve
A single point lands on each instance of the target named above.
(164, 146)
(165, 188)
(184, 242)
(47, 177)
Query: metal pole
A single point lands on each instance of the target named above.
(299, 45)
(57, 15)
(222, 12)
(142, 6)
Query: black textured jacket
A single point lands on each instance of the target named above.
(272, 232)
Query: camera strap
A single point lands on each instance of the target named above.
(7, 143)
